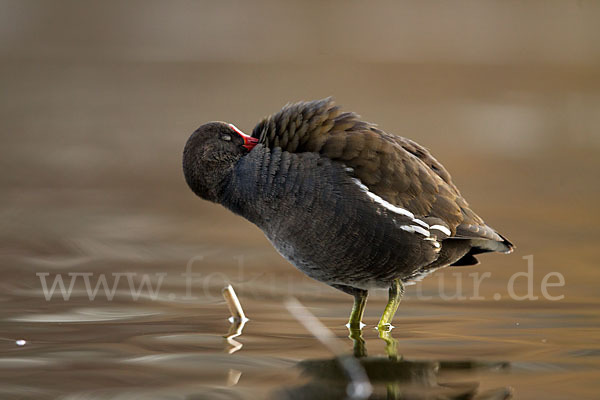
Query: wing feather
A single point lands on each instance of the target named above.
(397, 169)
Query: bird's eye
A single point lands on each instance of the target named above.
(226, 138)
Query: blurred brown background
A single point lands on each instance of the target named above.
(97, 99)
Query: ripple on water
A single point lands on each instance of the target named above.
(88, 315)
(213, 362)
(23, 362)
(184, 339)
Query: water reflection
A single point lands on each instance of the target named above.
(392, 379)
(235, 330)
(392, 376)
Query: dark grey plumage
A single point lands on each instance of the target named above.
(321, 221)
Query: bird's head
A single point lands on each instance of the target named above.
(210, 154)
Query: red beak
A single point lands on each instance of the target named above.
(249, 141)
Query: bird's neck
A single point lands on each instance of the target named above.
(239, 192)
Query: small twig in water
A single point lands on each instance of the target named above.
(238, 319)
(237, 313)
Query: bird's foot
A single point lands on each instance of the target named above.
(384, 326)
(355, 325)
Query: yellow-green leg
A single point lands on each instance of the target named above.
(395, 296)
(385, 323)
(355, 323)
(358, 309)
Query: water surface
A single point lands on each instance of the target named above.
(92, 189)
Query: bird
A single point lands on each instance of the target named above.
(345, 202)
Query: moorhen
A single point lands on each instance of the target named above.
(345, 202)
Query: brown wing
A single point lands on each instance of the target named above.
(398, 170)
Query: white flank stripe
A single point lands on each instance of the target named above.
(415, 228)
(435, 242)
(377, 199)
(442, 229)
(422, 223)
(422, 229)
